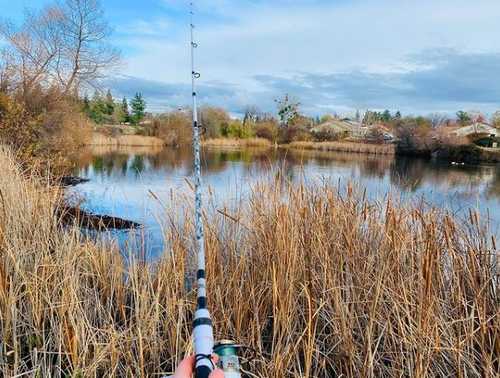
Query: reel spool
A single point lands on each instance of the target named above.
(229, 361)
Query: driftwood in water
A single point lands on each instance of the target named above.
(72, 180)
(71, 214)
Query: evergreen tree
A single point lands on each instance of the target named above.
(110, 103)
(464, 118)
(98, 108)
(398, 115)
(386, 116)
(125, 112)
(138, 106)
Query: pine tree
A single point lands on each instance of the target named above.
(125, 112)
(138, 106)
(110, 103)
(97, 108)
(386, 116)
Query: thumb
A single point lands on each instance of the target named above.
(217, 373)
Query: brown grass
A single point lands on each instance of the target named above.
(99, 139)
(230, 142)
(319, 283)
(364, 148)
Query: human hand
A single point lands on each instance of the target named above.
(186, 369)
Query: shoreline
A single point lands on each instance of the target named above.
(463, 153)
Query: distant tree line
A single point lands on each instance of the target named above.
(106, 110)
(372, 117)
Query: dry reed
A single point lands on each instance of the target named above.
(99, 139)
(230, 142)
(321, 284)
(365, 148)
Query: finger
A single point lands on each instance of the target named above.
(217, 373)
(186, 367)
(215, 358)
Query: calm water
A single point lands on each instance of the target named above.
(145, 185)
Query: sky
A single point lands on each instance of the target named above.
(419, 57)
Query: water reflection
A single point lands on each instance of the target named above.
(137, 183)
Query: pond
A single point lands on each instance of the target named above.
(146, 184)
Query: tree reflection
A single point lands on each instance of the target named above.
(407, 174)
(494, 187)
(137, 165)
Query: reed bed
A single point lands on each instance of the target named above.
(99, 139)
(320, 282)
(364, 148)
(230, 142)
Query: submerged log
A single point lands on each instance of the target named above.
(72, 180)
(71, 214)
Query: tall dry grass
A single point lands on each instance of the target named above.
(231, 142)
(99, 139)
(365, 148)
(321, 284)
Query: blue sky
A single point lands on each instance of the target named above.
(417, 56)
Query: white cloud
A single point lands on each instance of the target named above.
(243, 39)
(158, 27)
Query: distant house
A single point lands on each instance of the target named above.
(334, 126)
(379, 131)
(476, 130)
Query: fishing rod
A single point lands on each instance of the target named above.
(203, 332)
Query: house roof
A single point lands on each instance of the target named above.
(333, 125)
(476, 128)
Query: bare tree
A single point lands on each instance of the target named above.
(64, 45)
(31, 48)
(7, 72)
(85, 54)
(252, 114)
(437, 119)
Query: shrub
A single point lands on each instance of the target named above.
(174, 128)
(216, 121)
(294, 134)
(414, 134)
(237, 130)
(267, 130)
(327, 135)
(55, 130)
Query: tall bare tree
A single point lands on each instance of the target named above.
(437, 119)
(31, 48)
(64, 45)
(85, 53)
